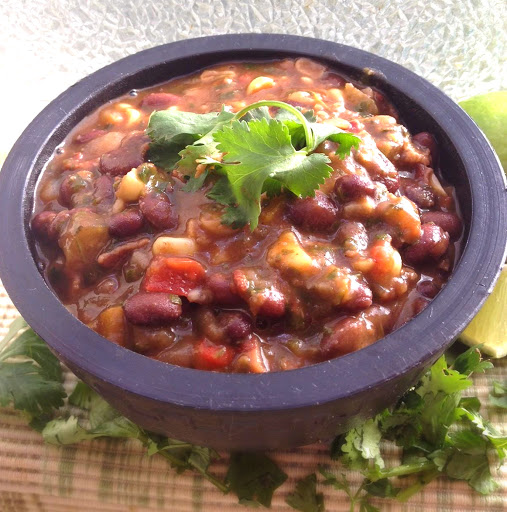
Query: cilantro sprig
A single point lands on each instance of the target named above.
(262, 154)
(30, 375)
(441, 433)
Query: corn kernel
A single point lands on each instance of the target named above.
(179, 246)
(260, 83)
(131, 187)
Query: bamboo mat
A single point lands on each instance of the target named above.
(117, 476)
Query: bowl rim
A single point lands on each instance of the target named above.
(443, 320)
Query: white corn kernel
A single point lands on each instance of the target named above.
(173, 245)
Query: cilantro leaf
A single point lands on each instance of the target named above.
(253, 477)
(498, 397)
(172, 132)
(170, 125)
(470, 362)
(191, 156)
(30, 375)
(361, 446)
(305, 497)
(262, 149)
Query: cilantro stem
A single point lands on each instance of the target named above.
(403, 470)
(280, 104)
(424, 480)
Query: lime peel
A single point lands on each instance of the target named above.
(489, 327)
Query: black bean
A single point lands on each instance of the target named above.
(151, 309)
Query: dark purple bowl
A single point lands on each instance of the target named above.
(274, 410)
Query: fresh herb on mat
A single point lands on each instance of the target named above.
(30, 375)
(440, 432)
(263, 154)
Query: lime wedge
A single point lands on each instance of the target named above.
(489, 326)
(489, 111)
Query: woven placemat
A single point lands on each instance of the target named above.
(118, 476)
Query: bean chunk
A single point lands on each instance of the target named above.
(353, 186)
(158, 210)
(447, 221)
(129, 155)
(318, 212)
(432, 245)
(126, 223)
(152, 309)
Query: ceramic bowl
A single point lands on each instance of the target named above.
(280, 409)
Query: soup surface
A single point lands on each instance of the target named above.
(151, 261)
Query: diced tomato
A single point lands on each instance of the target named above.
(240, 282)
(209, 356)
(178, 276)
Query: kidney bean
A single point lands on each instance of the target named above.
(222, 290)
(120, 253)
(58, 224)
(335, 80)
(384, 106)
(159, 101)
(103, 191)
(41, 226)
(361, 296)
(83, 138)
(419, 304)
(315, 213)
(129, 155)
(422, 196)
(236, 324)
(71, 184)
(158, 210)
(426, 140)
(348, 335)
(126, 223)
(449, 222)
(352, 236)
(353, 186)
(151, 309)
(391, 182)
(270, 302)
(428, 288)
(432, 245)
